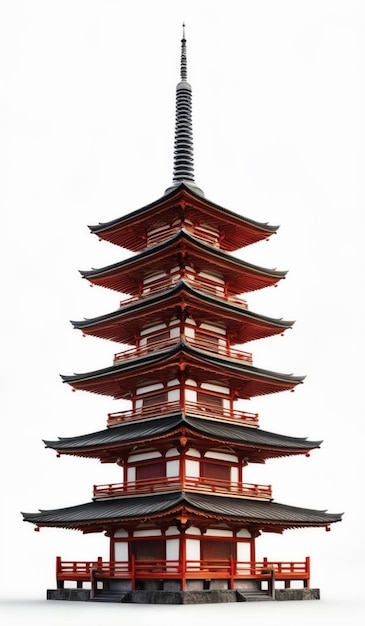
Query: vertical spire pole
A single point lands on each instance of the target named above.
(183, 65)
(183, 147)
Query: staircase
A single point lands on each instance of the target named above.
(254, 596)
(108, 595)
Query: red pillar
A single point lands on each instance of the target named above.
(183, 559)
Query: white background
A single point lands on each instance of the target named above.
(87, 125)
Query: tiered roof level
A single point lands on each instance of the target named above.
(182, 512)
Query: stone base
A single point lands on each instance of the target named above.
(297, 594)
(78, 595)
(182, 597)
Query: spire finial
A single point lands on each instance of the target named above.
(183, 71)
(183, 153)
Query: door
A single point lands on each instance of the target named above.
(216, 554)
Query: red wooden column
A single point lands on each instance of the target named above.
(133, 572)
(182, 379)
(183, 560)
(308, 571)
(112, 548)
(253, 550)
(182, 461)
(232, 568)
(60, 583)
(182, 551)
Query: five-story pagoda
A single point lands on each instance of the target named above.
(182, 522)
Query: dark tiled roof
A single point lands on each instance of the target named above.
(119, 434)
(234, 432)
(131, 217)
(150, 359)
(119, 509)
(153, 428)
(214, 255)
(145, 303)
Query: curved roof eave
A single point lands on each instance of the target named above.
(155, 427)
(143, 507)
(179, 286)
(155, 357)
(183, 234)
(165, 199)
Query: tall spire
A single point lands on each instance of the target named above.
(183, 147)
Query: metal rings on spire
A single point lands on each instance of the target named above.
(183, 145)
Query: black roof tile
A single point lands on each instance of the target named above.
(117, 509)
(152, 428)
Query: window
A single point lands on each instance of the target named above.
(149, 550)
(217, 550)
(207, 341)
(153, 399)
(208, 399)
(215, 471)
(163, 335)
(150, 470)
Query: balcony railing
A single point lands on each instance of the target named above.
(172, 483)
(137, 569)
(192, 408)
(197, 342)
(199, 282)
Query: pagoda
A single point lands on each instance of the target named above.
(182, 523)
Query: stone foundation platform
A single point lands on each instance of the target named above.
(183, 597)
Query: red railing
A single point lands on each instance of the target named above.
(202, 344)
(199, 282)
(84, 571)
(193, 408)
(200, 484)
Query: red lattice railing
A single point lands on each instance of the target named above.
(193, 280)
(231, 569)
(197, 342)
(192, 408)
(200, 484)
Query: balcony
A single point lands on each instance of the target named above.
(137, 569)
(199, 282)
(197, 342)
(174, 483)
(192, 408)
